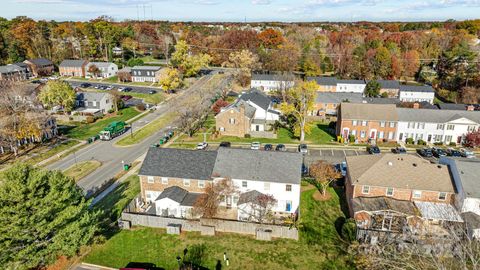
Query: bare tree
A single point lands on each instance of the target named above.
(207, 206)
(261, 208)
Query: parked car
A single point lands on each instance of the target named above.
(268, 147)
(151, 92)
(399, 150)
(467, 153)
(425, 152)
(373, 150)
(255, 146)
(225, 144)
(121, 89)
(108, 87)
(202, 146)
(302, 148)
(453, 153)
(97, 86)
(37, 81)
(127, 89)
(304, 169)
(280, 147)
(126, 97)
(85, 85)
(438, 152)
(342, 168)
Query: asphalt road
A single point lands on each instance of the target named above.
(112, 156)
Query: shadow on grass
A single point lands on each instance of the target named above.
(343, 200)
(143, 265)
(325, 128)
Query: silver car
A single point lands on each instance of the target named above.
(255, 146)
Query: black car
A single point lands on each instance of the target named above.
(151, 92)
(85, 85)
(37, 81)
(453, 153)
(399, 150)
(373, 150)
(225, 144)
(425, 152)
(280, 147)
(304, 170)
(438, 152)
(268, 147)
(127, 89)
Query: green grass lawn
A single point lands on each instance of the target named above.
(318, 135)
(113, 79)
(85, 131)
(319, 247)
(142, 133)
(52, 152)
(82, 169)
(149, 98)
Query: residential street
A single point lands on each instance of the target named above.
(112, 156)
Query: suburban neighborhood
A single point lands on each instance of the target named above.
(297, 137)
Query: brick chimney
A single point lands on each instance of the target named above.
(416, 105)
(470, 108)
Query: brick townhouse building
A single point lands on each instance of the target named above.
(399, 193)
(40, 66)
(75, 68)
(367, 122)
(171, 180)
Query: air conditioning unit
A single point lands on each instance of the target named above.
(124, 224)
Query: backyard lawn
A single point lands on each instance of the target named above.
(318, 135)
(319, 247)
(149, 98)
(82, 169)
(85, 131)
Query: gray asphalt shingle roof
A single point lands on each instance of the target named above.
(11, 68)
(149, 68)
(272, 77)
(245, 164)
(338, 97)
(469, 172)
(249, 196)
(416, 88)
(41, 62)
(332, 81)
(178, 163)
(389, 84)
(278, 167)
(173, 193)
(257, 97)
(435, 116)
(90, 96)
(351, 81)
(72, 63)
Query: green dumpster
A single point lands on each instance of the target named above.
(161, 141)
(126, 167)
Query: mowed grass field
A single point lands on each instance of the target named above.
(319, 247)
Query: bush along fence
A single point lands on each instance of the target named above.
(208, 226)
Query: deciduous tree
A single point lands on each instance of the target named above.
(189, 64)
(58, 93)
(372, 89)
(43, 215)
(300, 101)
(171, 79)
(473, 139)
(208, 205)
(244, 61)
(323, 174)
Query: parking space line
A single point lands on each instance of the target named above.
(344, 154)
(320, 152)
(332, 153)
(356, 152)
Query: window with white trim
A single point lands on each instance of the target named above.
(354, 122)
(382, 123)
(150, 179)
(244, 184)
(164, 180)
(442, 196)
(389, 191)
(186, 182)
(392, 124)
(201, 183)
(440, 126)
(364, 123)
(266, 186)
(365, 189)
(417, 194)
(231, 121)
(450, 127)
(288, 187)
(362, 134)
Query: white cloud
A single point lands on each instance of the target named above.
(261, 2)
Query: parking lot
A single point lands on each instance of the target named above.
(136, 89)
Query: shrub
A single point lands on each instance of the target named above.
(140, 107)
(247, 136)
(409, 141)
(89, 119)
(349, 230)
(384, 95)
(452, 144)
(421, 142)
(111, 111)
(438, 143)
(351, 138)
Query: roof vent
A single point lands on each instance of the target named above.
(414, 164)
(390, 163)
(439, 166)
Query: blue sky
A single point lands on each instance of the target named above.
(238, 10)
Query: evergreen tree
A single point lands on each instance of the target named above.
(43, 215)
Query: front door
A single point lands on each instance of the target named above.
(372, 135)
(257, 128)
(429, 138)
(459, 139)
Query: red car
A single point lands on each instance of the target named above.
(125, 98)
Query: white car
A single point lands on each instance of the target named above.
(255, 146)
(121, 89)
(202, 146)
(467, 153)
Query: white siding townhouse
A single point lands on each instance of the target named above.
(172, 180)
(351, 86)
(466, 177)
(416, 93)
(272, 81)
(145, 73)
(432, 126)
(105, 70)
